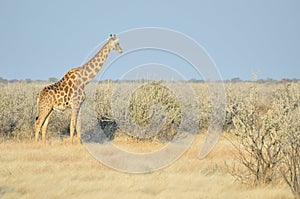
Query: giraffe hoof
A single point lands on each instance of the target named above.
(78, 140)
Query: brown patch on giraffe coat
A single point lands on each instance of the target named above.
(78, 81)
(88, 69)
(70, 83)
(73, 76)
(70, 91)
(91, 76)
(75, 94)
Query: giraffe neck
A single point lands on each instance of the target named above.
(93, 66)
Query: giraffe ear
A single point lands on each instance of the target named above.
(110, 35)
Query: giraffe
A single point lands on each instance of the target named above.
(68, 93)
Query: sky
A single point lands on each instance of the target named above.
(42, 39)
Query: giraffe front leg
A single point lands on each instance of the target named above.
(73, 123)
(78, 126)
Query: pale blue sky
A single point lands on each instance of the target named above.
(42, 39)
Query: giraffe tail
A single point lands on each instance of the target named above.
(37, 100)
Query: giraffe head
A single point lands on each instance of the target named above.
(114, 43)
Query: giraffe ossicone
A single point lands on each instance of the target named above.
(68, 93)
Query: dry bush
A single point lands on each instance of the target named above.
(290, 165)
(267, 129)
(148, 101)
(204, 104)
(102, 101)
(18, 110)
(259, 147)
(151, 99)
(237, 93)
(287, 103)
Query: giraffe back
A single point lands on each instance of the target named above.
(62, 94)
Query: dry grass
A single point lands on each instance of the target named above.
(59, 170)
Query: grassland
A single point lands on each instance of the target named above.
(60, 170)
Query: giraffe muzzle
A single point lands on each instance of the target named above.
(120, 50)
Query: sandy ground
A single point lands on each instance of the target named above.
(60, 170)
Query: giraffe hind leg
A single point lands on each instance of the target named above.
(44, 127)
(40, 120)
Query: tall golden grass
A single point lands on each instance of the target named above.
(60, 170)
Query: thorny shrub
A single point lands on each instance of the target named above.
(268, 135)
